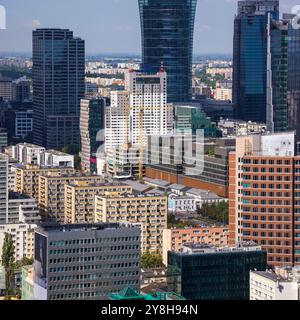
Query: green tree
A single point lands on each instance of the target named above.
(8, 259)
(22, 263)
(151, 260)
(216, 212)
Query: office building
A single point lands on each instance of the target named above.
(174, 239)
(260, 64)
(204, 272)
(86, 261)
(193, 119)
(149, 210)
(80, 199)
(281, 284)
(214, 176)
(58, 86)
(167, 37)
(293, 76)
(92, 125)
(51, 197)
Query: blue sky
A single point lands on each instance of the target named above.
(113, 25)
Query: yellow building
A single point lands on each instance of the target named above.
(151, 211)
(80, 199)
(27, 178)
(51, 195)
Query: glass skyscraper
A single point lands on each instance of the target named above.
(167, 38)
(293, 76)
(58, 86)
(251, 72)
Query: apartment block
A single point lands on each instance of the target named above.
(86, 261)
(264, 204)
(27, 178)
(175, 239)
(51, 194)
(151, 211)
(80, 199)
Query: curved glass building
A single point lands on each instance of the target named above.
(167, 38)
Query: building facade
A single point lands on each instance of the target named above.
(150, 210)
(86, 261)
(92, 125)
(175, 239)
(58, 86)
(167, 37)
(209, 273)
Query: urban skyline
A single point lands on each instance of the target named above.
(213, 24)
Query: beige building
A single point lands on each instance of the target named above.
(51, 195)
(27, 178)
(151, 211)
(80, 199)
(174, 239)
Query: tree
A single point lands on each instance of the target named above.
(8, 259)
(23, 262)
(217, 212)
(151, 260)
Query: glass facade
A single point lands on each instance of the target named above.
(167, 37)
(250, 55)
(214, 276)
(58, 86)
(294, 79)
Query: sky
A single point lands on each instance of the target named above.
(113, 26)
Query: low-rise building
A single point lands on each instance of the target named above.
(175, 239)
(281, 284)
(178, 204)
(27, 288)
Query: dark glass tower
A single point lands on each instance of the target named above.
(252, 70)
(58, 86)
(167, 37)
(293, 76)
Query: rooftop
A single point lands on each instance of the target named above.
(191, 248)
(55, 227)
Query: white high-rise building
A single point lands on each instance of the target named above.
(136, 113)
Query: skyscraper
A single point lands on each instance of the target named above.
(58, 86)
(167, 37)
(252, 70)
(92, 125)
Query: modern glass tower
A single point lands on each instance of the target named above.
(167, 38)
(252, 66)
(293, 76)
(58, 86)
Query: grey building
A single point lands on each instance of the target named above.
(86, 261)
(58, 86)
